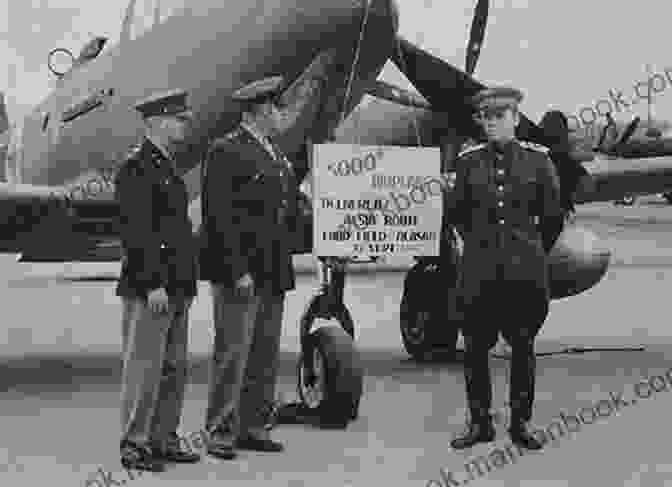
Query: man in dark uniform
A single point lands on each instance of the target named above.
(505, 202)
(157, 285)
(249, 206)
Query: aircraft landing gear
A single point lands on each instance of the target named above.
(428, 317)
(330, 373)
(625, 201)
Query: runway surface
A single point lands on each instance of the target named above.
(59, 377)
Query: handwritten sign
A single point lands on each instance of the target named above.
(376, 200)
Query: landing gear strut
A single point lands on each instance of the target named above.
(329, 370)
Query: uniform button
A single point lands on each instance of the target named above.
(500, 204)
(500, 188)
(501, 222)
(500, 172)
(163, 246)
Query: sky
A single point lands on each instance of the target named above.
(566, 54)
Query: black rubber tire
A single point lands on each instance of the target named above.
(428, 324)
(424, 334)
(413, 324)
(668, 197)
(344, 374)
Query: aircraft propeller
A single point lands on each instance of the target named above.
(448, 89)
(628, 132)
(476, 35)
(651, 131)
(383, 90)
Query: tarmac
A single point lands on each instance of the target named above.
(60, 368)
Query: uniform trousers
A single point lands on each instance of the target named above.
(154, 369)
(245, 360)
(517, 310)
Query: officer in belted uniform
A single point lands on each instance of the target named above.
(249, 213)
(156, 286)
(505, 202)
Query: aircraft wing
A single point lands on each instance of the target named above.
(614, 178)
(388, 121)
(39, 223)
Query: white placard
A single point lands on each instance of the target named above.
(376, 200)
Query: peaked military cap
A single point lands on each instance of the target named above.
(165, 103)
(260, 89)
(497, 97)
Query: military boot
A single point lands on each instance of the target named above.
(520, 435)
(478, 431)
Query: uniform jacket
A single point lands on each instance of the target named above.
(507, 210)
(155, 229)
(249, 213)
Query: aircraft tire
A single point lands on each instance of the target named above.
(339, 372)
(425, 331)
(419, 329)
(668, 197)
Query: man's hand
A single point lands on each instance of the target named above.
(158, 300)
(245, 286)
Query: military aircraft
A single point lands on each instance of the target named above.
(439, 115)
(64, 156)
(57, 204)
(618, 144)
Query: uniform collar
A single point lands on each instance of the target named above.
(265, 141)
(158, 147)
(504, 148)
(255, 132)
(158, 153)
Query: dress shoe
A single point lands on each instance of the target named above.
(522, 437)
(482, 432)
(172, 451)
(140, 457)
(259, 444)
(221, 444)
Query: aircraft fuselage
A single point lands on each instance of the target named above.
(209, 48)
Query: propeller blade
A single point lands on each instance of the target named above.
(386, 91)
(4, 118)
(449, 89)
(476, 35)
(629, 130)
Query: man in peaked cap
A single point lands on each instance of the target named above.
(249, 215)
(156, 286)
(505, 202)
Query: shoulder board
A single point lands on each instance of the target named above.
(228, 138)
(134, 152)
(235, 133)
(132, 162)
(532, 146)
(471, 149)
(133, 156)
